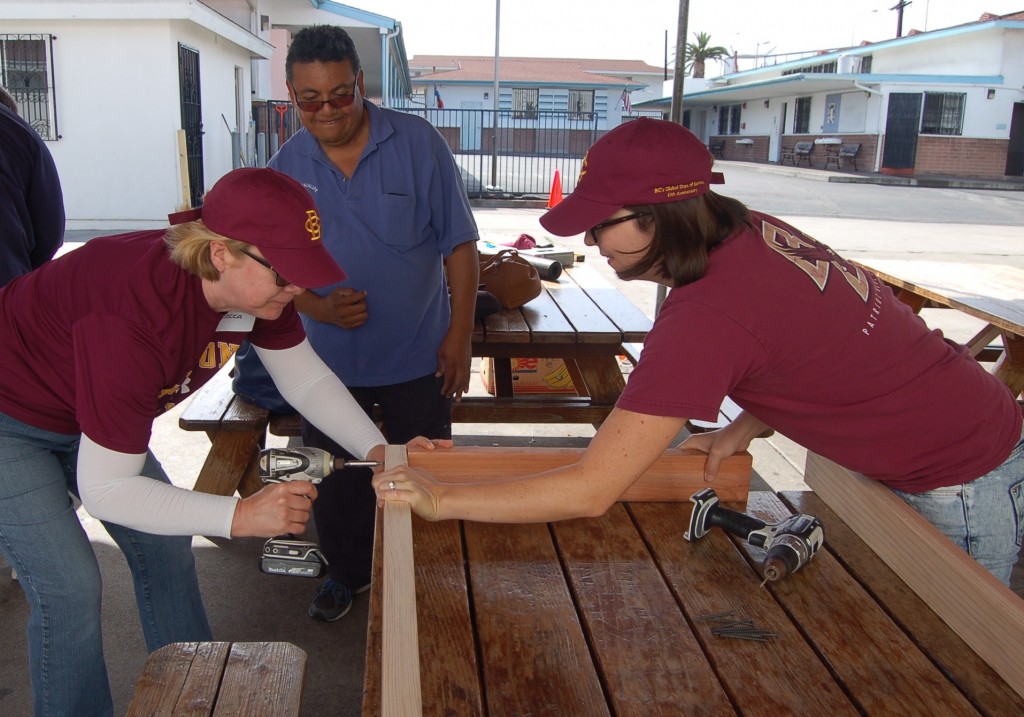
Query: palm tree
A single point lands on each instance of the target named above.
(698, 53)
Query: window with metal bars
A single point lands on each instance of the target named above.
(581, 104)
(729, 119)
(525, 103)
(943, 113)
(26, 70)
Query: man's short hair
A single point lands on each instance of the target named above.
(321, 43)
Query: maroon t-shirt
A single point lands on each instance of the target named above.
(107, 337)
(823, 352)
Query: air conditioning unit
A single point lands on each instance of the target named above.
(849, 64)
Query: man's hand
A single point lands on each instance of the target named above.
(344, 307)
(454, 358)
(276, 509)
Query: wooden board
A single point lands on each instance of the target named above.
(400, 657)
(981, 610)
(675, 476)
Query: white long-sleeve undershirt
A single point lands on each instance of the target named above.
(112, 489)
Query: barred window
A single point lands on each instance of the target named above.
(525, 103)
(729, 119)
(26, 70)
(802, 117)
(581, 104)
(943, 113)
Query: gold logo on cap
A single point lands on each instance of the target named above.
(313, 224)
(583, 168)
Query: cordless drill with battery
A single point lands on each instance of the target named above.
(285, 555)
(790, 543)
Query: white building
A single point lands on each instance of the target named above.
(114, 84)
(945, 102)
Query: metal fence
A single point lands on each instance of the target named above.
(503, 154)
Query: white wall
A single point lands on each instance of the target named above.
(118, 113)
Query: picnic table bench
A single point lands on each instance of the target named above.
(580, 318)
(221, 679)
(801, 151)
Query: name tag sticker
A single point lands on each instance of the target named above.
(236, 321)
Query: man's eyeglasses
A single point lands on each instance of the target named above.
(337, 102)
(281, 281)
(612, 222)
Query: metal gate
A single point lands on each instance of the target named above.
(901, 130)
(192, 119)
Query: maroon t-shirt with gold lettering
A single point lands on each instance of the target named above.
(107, 337)
(822, 351)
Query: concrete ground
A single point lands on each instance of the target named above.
(246, 605)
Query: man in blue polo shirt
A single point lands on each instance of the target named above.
(396, 215)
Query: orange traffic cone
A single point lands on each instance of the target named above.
(556, 190)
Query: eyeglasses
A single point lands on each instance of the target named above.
(612, 222)
(337, 101)
(281, 281)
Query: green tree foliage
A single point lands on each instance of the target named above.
(698, 53)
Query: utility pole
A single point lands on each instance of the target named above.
(898, 7)
(494, 113)
(676, 114)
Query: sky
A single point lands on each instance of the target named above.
(635, 29)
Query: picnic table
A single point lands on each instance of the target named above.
(616, 616)
(993, 293)
(579, 318)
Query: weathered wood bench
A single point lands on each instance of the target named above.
(801, 151)
(221, 679)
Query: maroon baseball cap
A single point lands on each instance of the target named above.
(644, 161)
(273, 212)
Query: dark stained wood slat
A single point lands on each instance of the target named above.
(227, 462)
(878, 664)
(601, 379)
(452, 685)
(988, 692)
(592, 326)
(621, 596)
(535, 658)
(262, 679)
(548, 325)
(162, 680)
(506, 326)
(710, 577)
(631, 321)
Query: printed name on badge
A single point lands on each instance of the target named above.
(236, 321)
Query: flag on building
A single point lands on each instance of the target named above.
(626, 107)
(437, 99)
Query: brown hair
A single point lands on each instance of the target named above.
(189, 247)
(685, 233)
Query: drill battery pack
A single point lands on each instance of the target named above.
(298, 558)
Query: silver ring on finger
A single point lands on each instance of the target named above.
(391, 485)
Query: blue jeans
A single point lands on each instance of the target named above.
(42, 538)
(984, 517)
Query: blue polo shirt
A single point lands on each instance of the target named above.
(389, 226)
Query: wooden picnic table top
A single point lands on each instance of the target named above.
(991, 292)
(608, 616)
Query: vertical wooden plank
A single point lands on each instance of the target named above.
(400, 661)
(985, 613)
(199, 693)
(162, 680)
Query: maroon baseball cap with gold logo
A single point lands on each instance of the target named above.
(644, 161)
(275, 213)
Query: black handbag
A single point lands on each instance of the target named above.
(252, 382)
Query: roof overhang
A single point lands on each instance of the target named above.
(816, 83)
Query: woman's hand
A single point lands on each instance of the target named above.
(429, 443)
(276, 509)
(721, 444)
(413, 485)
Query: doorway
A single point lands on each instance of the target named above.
(192, 119)
(1015, 152)
(901, 129)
